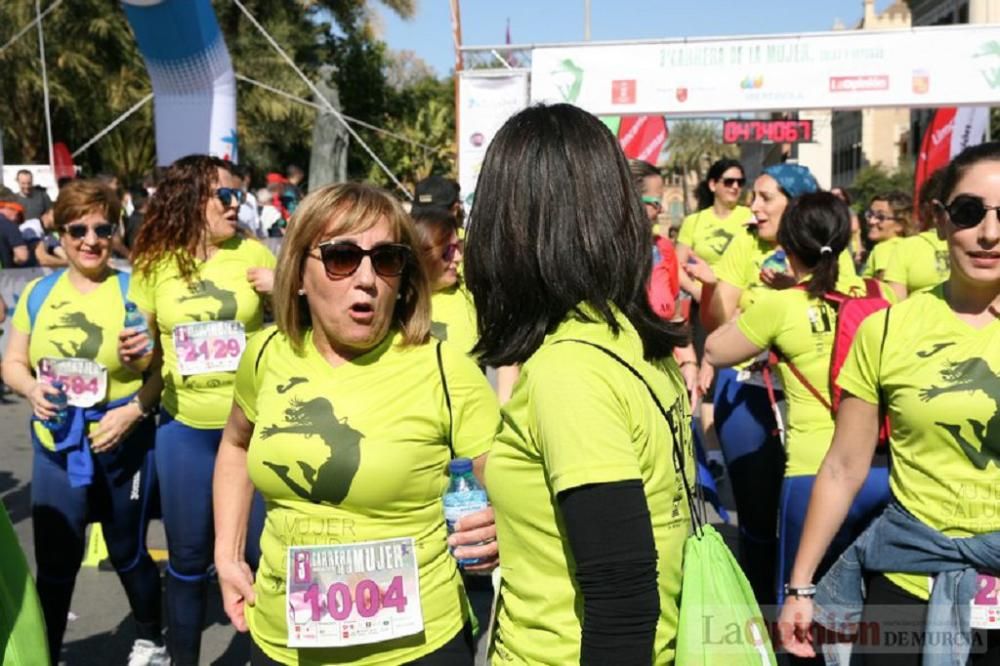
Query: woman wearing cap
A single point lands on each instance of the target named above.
(97, 466)
(744, 412)
(800, 325)
(929, 565)
(590, 514)
(202, 287)
(345, 418)
(889, 219)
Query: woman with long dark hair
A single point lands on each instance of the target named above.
(801, 324)
(926, 570)
(590, 519)
(202, 287)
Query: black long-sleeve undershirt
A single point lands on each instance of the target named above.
(610, 534)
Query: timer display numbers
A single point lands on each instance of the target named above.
(767, 131)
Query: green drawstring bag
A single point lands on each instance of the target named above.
(22, 628)
(720, 621)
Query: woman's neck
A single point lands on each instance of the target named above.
(87, 281)
(976, 303)
(721, 210)
(799, 270)
(334, 354)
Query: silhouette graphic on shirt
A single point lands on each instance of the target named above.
(439, 330)
(972, 375)
(292, 383)
(942, 263)
(719, 241)
(91, 343)
(60, 305)
(927, 353)
(206, 289)
(331, 481)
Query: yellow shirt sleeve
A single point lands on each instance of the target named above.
(859, 374)
(475, 411)
(686, 233)
(761, 322)
(21, 320)
(578, 422)
(895, 266)
(141, 289)
(732, 267)
(247, 382)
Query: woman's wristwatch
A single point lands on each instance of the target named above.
(143, 411)
(804, 592)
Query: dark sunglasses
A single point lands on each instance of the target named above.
(967, 211)
(879, 216)
(104, 230)
(342, 258)
(227, 194)
(734, 182)
(449, 251)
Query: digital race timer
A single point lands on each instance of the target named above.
(767, 131)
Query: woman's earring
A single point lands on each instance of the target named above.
(302, 292)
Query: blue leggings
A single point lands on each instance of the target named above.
(119, 498)
(755, 462)
(795, 493)
(185, 462)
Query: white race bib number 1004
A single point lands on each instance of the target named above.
(209, 346)
(353, 594)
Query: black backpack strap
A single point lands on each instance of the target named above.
(678, 453)
(447, 400)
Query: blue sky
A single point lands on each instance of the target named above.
(428, 33)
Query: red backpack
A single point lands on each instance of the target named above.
(851, 311)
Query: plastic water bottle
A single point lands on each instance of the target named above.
(777, 262)
(135, 321)
(464, 496)
(61, 402)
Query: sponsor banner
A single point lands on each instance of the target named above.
(923, 67)
(951, 131)
(642, 137)
(486, 101)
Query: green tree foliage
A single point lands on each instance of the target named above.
(875, 179)
(96, 73)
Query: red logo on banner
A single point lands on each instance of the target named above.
(935, 149)
(682, 95)
(623, 92)
(858, 83)
(642, 137)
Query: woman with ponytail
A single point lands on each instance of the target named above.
(800, 324)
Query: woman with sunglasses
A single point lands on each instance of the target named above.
(921, 261)
(591, 513)
(932, 559)
(744, 410)
(345, 418)
(202, 287)
(97, 466)
(890, 220)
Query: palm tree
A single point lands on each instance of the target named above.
(692, 146)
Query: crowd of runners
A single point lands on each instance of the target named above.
(292, 419)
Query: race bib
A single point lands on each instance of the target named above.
(985, 609)
(352, 594)
(209, 346)
(85, 381)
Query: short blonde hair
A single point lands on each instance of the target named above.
(353, 208)
(82, 197)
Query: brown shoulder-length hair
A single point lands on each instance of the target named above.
(336, 210)
(82, 197)
(175, 217)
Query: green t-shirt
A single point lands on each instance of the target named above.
(453, 316)
(220, 292)
(941, 384)
(708, 236)
(577, 417)
(920, 262)
(804, 329)
(880, 256)
(70, 324)
(359, 453)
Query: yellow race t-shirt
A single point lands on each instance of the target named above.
(453, 318)
(578, 417)
(880, 256)
(803, 329)
(919, 262)
(708, 236)
(359, 453)
(71, 324)
(220, 292)
(941, 382)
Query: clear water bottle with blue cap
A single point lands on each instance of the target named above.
(61, 402)
(464, 496)
(137, 322)
(777, 261)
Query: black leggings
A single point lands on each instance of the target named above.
(903, 615)
(459, 651)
